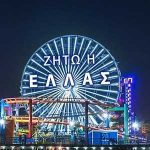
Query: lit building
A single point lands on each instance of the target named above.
(127, 90)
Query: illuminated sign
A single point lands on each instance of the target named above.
(74, 60)
(72, 65)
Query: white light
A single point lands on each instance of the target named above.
(22, 147)
(105, 115)
(12, 147)
(110, 148)
(102, 148)
(135, 125)
(2, 121)
(41, 147)
(134, 148)
(32, 147)
(72, 123)
(143, 148)
(59, 147)
(3, 147)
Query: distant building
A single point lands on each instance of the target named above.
(145, 127)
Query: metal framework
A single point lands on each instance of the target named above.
(13, 102)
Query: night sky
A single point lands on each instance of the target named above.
(122, 27)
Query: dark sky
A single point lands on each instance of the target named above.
(122, 27)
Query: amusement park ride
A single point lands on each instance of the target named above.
(69, 79)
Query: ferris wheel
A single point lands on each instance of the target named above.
(60, 67)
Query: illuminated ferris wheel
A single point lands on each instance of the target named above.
(71, 67)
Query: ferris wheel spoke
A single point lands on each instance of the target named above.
(104, 58)
(94, 49)
(84, 92)
(80, 70)
(39, 57)
(40, 65)
(61, 94)
(56, 47)
(74, 48)
(113, 77)
(49, 48)
(86, 50)
(39, 108)
(43, 51)
(54, 71)
(60, 109)
(37, 92)
(96, 114)
(103, 96)
(55, 94)
(63, 113)
(56, 109)
(75, 108)
(93, 120)
(51, 110)
(36, 70)
(100, 108)
(60, 71)
(101, 90)
(67, 111)
(51, 113)
(81, 46)
(45, 109)
(111, 85)
(100, 53)
(68, 48)
(79, 52)
(62, 45)
(48, 92)
(74, 52)
(72, 112)
(80, 109)
(112, 70)
(79, 73)
(62, 66)
(83, 56)
(103, 67)
(109, 78)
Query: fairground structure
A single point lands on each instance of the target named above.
(72, 96)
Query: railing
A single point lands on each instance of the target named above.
(67, 141)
